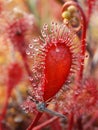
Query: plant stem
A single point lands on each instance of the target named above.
(39, 114)
(79, 123)
(48, 122)
(91, 121)
(4, 110)
(1, 123)
(83, 37)
(71, 121)
(90, 4)
(56, 125)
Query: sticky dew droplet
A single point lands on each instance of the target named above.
(45, 27)
(78, 68)
(35, 39)
(86, 56)
(27, 52)
(34, 84)
(44, 35)
(54, 40)
(31, 78)
(30, 46)
(52, 23)
(57, 49)
(51, 30)
(36, 48)
(61, 40)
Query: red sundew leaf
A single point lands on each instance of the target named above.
(55, 57)
(58, 63)
(87, 97)
(17, 32)
(92, 90)
(15, 74)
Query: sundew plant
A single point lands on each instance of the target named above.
(49, 65)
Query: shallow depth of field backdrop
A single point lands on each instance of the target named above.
(27, 17)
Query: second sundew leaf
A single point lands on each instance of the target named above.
(57, 68)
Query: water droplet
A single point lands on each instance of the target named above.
(25, 108)
(27, 52)
(42, 31)
(52, 23)
(45, 27)
(54, 40)
(26, 111)
(82, 64)
(30, 46)
(77, 92)
(61, 40)
(36, 48)
(71, 70)
(86, 56)
(35, 39)
(51, 30)
(34, 84)
(33, 69)
(44, 35)
(31, 56)
(18, 119)
(42, 63)
(56, 24)
(69, 81)
(57, 49)
(31, 78)
(86, 44)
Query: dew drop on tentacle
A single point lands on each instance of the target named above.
(30, 46)
(87, 56)
(43, 34)
(27, 52)
(35, 40)
(45, 27)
